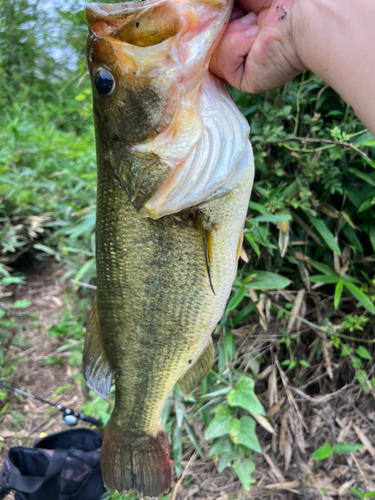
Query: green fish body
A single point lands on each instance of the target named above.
(168, 238)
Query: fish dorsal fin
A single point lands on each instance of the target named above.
(207, 243)
(96, 367)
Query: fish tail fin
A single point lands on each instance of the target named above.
(133, 462)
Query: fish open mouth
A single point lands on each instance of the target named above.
(199, 137)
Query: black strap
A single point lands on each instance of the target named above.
(31, 484)
(84, 457)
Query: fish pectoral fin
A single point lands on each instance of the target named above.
(96, 368)
(207, 244)
(198, 371)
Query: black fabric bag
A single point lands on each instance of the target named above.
(62, 466)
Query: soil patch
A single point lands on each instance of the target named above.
(26, 419)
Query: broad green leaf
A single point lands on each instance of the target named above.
(356, 362)
(353, 238)
(194, 440)
(368, 203)
(44, 248)
(21, 304)
(254, 245)
(180, 412)
(244, 313)
(323, 452)
(230, 346)
(262, 280)
(245, 434)
(12, 280)
(236, 299)
(323, 268)
(348, 219)
(221, 424)
(324, 278)
(326, 234)
(273, 218)
(356, 492)
(346, 350)
(362, 376)
(87, 226)
(304, 363)
(371, 233)
(345, 447)
(177, 450)
(362, 175)
(224, 460)
(258, 207)
(86, 267)
(338, 292)
(219, 392)
(243, 469)
(244, 397)
(223, 444)
(362, 139)
(363, 353)
(360, 296)
(234, 429)
(104, 416)
(369, 494)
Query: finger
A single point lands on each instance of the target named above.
(229, 58)
(242, 24)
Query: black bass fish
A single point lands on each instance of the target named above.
(175, 171)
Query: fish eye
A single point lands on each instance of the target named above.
(104, 82)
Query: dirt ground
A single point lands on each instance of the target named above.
(302, 420)
(46, 294)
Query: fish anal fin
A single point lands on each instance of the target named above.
(96, 367)
(198, 371)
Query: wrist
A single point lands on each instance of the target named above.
(302, 15)
(335, 40)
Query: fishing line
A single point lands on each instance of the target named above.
(70, 417)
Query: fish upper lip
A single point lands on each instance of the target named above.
(101, 11)
(96, 12)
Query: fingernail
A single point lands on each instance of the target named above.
(252, 32)
(249, 19)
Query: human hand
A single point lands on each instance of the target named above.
(257, 51)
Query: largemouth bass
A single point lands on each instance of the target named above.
(175, 171)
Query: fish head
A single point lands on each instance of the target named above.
(167, 128)
(143, 56)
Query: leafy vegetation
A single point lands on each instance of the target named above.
(308, 259)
